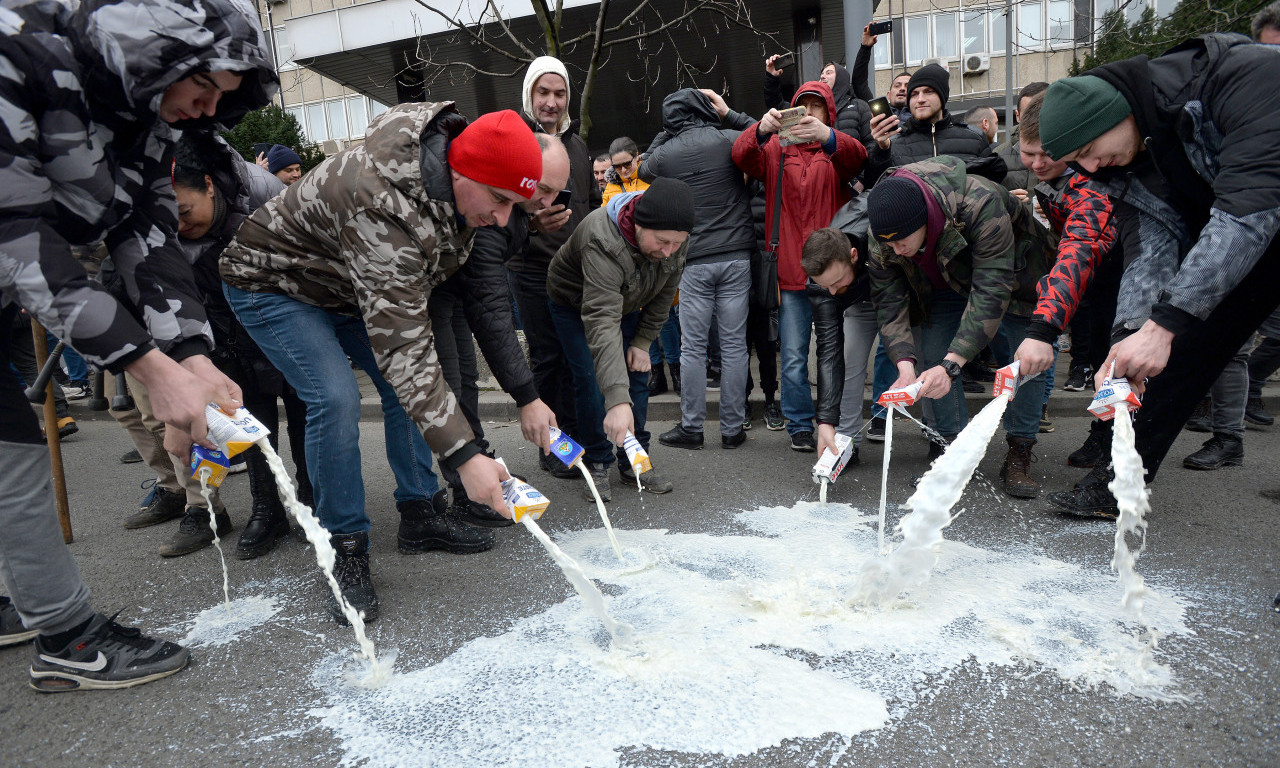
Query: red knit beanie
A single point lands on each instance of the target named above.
(498, 149)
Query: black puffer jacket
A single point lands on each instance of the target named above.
(694, 149)
(541, 247)
(828, 313)
(921, 141)
(853, 115)
(481, 286)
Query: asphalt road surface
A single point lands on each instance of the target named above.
(1212, 540)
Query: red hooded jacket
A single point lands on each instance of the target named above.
(814, 184)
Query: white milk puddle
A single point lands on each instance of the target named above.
(224, 623)
(741, 642)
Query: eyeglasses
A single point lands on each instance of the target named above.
(620, 166)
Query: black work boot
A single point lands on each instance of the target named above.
(657, 380)
(1090, 497)
(675, 377)
(351, 569)
(557, 468)
(268, 522)
(1221, 450)
(1016, 472)
(158, 506)
(194, 533)
(475, 513)
(429, 525)
(1255, 412)
(1096, 449)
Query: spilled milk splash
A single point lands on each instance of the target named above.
(742, 642)
(224, 624)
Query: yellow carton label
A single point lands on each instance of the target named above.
(215, 461)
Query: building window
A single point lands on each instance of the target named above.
(997, 31)
(284, 49)
(1030, 26)
(337, 111)
(1061, 22)
(357, 116)
(975, 32)
(944, 36)
(917, 39)
(376, 108)
(317, 130)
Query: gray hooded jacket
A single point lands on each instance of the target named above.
(84, 158)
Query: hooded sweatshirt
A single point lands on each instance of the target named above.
(86, 158)
(814, 184)
(541, 66)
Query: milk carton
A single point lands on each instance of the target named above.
(235, 433)
(1113, 395)
(564, 448)
(636, 455)
(831, 464)
(1008, 380)
(521, 498)
(902, 396)
(216, 462)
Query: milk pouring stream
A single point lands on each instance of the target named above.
(567, 450)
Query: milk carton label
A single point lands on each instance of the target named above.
(830, 465)
(1113, 395)
(236, 433)
(636, 455)
(522, 499)
(903, 396)
(1008, 380)
(215, 461)
(564, 448)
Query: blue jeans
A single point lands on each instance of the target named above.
(667, 345)
(77, 368)
(310, 346)
(950, 412)
(588, 400)
(795, 325)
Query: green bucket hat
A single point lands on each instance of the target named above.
(1076, 111)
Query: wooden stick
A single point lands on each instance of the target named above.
(51, 435)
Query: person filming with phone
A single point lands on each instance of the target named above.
(929, 132)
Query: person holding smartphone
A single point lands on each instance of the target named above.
(896, 96)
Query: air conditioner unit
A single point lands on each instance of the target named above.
(940, 62)
(976, 63)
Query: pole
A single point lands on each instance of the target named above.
(51, 435)
(1008, 70)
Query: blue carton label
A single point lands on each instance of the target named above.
(564, 448)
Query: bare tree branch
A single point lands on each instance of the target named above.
(476, 37)
(506, 28)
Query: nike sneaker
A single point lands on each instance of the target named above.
(104, 655)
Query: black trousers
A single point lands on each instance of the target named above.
(762, 337)
(546, 358)
(1200, 354)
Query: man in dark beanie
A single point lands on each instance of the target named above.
(611, 286)
(1187, 146)
(284, 164)
(929, 132)
(955, 258)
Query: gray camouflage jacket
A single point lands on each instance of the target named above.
(370, 232)
(84, 158)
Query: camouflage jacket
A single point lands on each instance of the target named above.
(602, 275)
(84, 158)
(370, 232)
(991, 250)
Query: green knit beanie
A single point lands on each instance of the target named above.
(1076, 111)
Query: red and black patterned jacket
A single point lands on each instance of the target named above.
(1082, 218)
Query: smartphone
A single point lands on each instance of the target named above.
(784, 61)
(564, 197)
(880, 27)
(879, 106)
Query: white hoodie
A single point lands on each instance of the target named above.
(539, 67)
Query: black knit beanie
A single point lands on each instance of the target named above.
(896, 209)
(934, 76)
(666, 204)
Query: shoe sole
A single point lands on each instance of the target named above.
(1211, 467)
(1256, 423)
(1105, 513)
(410, 547)
(1023, 494)
(686, 446)
(1070, 388)
(68, 431)
(61, 682)
(775, 426)
(134, 522)
(875, 438)
(803, 449)
(18, 637)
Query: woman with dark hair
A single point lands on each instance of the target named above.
(624, 173)
(216, 190)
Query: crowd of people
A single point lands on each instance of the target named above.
(1133, 212)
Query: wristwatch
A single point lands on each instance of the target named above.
(952, 368)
